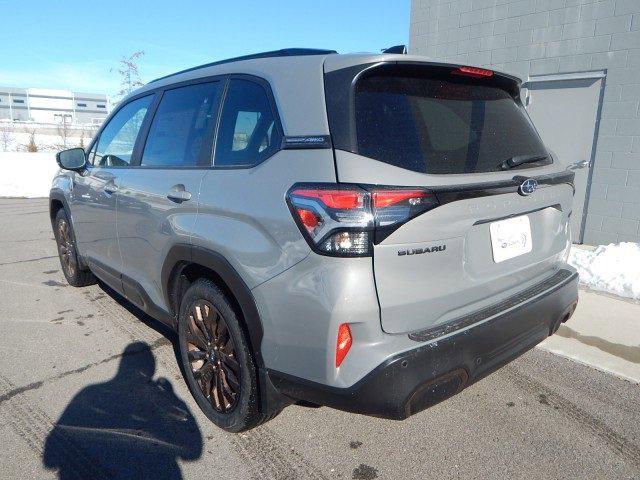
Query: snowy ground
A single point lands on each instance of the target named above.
(26, 174)
(613, 268)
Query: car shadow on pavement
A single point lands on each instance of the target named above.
(130, 427)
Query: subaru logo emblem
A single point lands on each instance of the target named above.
(528, 186)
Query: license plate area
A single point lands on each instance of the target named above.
(510, 238)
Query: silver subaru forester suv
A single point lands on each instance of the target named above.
(369, 232)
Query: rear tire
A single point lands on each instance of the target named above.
(68, 253)
(217, 362)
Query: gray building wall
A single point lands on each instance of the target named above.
(537, 37)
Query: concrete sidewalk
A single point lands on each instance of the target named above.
(604, 333)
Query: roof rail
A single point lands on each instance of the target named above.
(285, 52)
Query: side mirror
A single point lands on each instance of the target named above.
(72, 159)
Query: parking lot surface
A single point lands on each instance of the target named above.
(90, 388)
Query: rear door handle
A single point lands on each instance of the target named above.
(178, 194)
(110, 188)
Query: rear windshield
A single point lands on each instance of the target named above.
(451, 124)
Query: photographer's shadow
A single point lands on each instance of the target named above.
(131, 427)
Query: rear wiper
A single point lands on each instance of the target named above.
(520, 160)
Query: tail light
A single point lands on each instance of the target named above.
(346, 220)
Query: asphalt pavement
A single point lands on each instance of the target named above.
(90, 388)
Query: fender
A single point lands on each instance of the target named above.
(271, 399)
(58, 194)
(217, 263)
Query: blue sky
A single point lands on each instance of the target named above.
(73, 44)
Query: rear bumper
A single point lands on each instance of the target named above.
(417, 379)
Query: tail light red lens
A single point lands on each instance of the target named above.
(346, 220)
(394, 207)
(339, 199)
(386, 198)
(343, 343)
(308, 219)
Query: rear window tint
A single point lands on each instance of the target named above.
(247, 134)
(441, 125)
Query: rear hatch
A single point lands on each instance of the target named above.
(462, 137)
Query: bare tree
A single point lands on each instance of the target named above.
(5, 136)
(87, 133)
(31, 146)
(64, 132)
(129, 74)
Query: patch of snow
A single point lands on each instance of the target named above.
(613, 268)
(26, 174)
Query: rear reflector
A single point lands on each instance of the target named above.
(473, 72)
(343, 344)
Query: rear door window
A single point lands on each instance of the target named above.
(248, 133)
(444, 125)
(181, 134)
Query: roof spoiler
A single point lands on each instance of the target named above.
(402, 49)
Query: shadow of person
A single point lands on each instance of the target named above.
(131, 427)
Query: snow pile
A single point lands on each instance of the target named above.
(613, 268)
(26, 174)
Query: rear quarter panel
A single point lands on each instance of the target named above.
(243, 215)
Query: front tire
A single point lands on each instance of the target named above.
(68, 253)
(216, 359)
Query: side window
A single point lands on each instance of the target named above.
(247, 133)
(181, 133)
(115, 145)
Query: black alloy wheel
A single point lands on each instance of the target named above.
(66, 249)
(212, 356)
(74, 272)
(216, 358)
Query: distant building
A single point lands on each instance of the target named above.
(52, 106)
